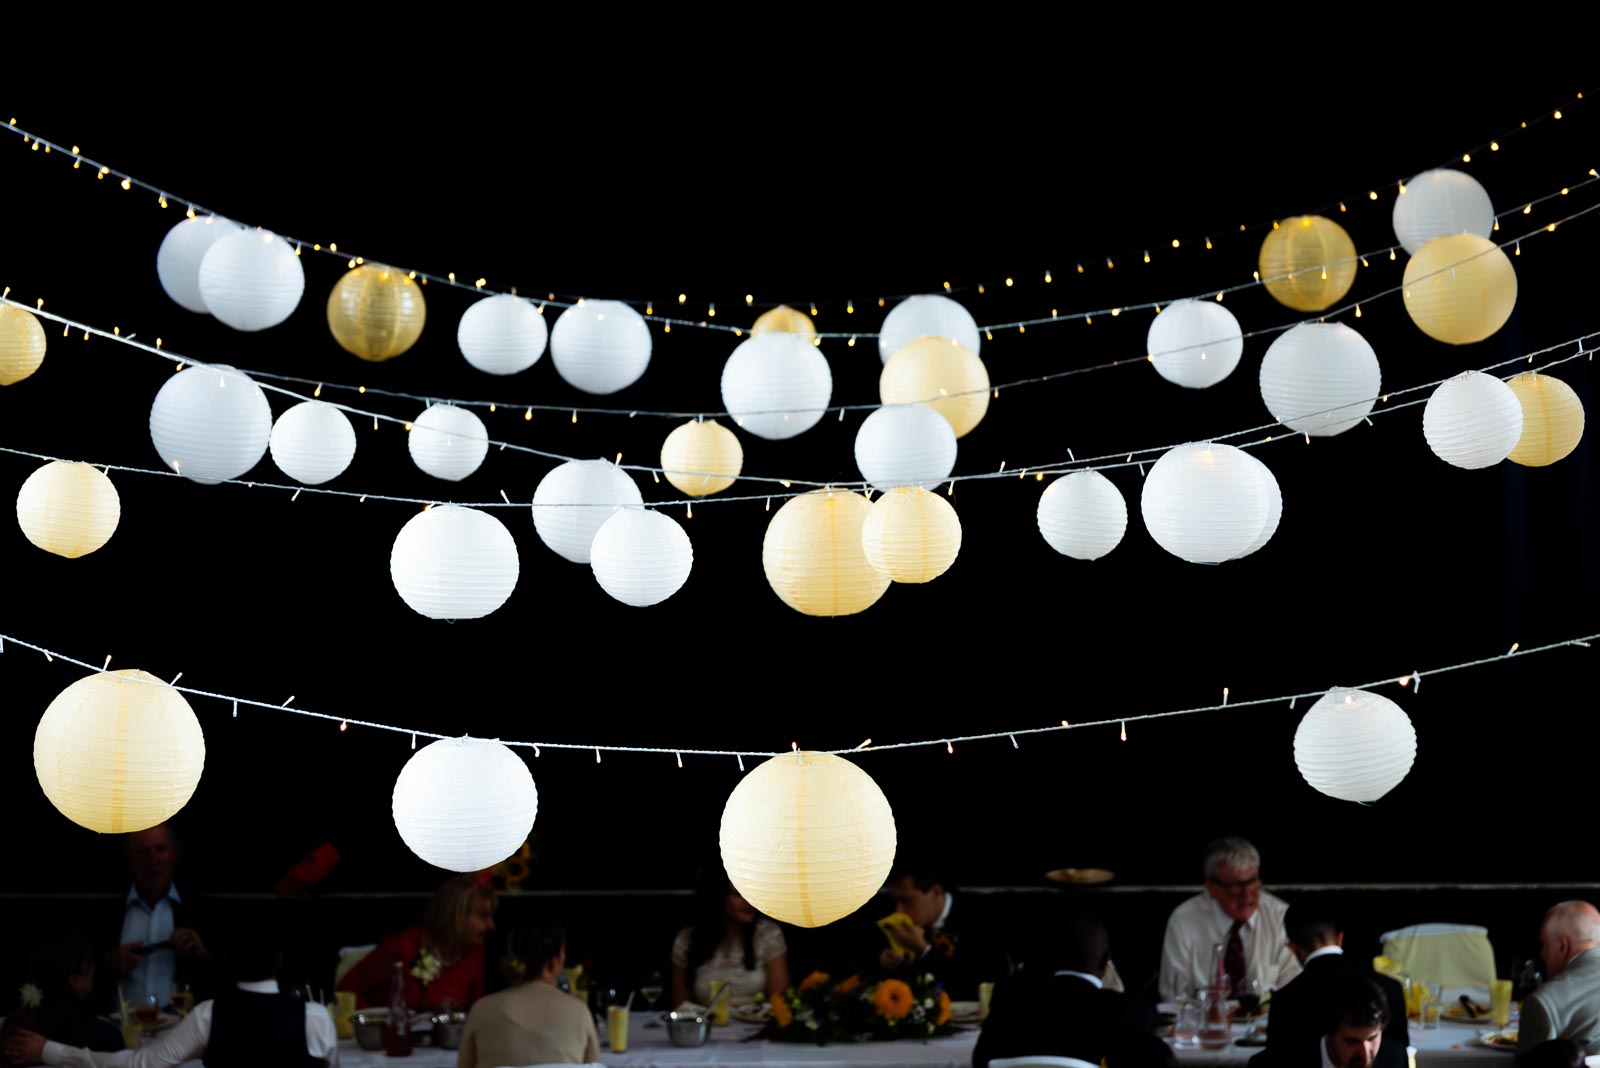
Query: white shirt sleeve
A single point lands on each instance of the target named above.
(185, 1042)
(322, 1038)
(1175, 957)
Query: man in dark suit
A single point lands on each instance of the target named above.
(1318, 943)
(1352, 1012)
(935, 938)
(158, 936)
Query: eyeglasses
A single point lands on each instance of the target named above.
(1238, 887)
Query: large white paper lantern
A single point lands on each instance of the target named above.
(502, 334)
(68, 509)
(600, 346)
(905, 445)
(1354, 745)
(1206, 503)
(251, 280)
(178, 258)
(640, 556)
(1472, 420)
(464, 804)
(1083, 515)
(701, 457)
(119, 751)
(911, 535)
(929, 315)
(807, 838)
(813, 556)
(448, 442)
(573, 500)
(313, 442)
(776, 385)
(451, 562)
(1438, 203)
(210, 423)
(1320, 379)
(1274, 504)
(1195, 343)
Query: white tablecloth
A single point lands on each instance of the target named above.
(1447, 1046)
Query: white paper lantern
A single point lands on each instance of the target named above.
(178, 258)
(600, 346)
(68, 509)
(574, 500)
(251, 280)
(448, 442)
(464, 804)
(926, 316)
(905, 445)
(313, 442)
(1441, 202)
(1083, 515)
(1195, 343)
(1354, 745)
(502, 334)
(1274, 504)
(1206, 503)
(1473, 420)
(451, 562)
(640, 556)
(1320, 379)
(776, 385)
(210, 423)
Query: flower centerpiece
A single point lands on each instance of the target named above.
(820, 1011)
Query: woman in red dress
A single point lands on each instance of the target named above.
(442, 960)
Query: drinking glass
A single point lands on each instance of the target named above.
(719, 1015)
(1500, 1002)
(146, 1010)
(617, 1028)
(1525, 979)
(651, 987)
(181, 999)
(1186, 1027)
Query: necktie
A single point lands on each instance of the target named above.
(1233, 959)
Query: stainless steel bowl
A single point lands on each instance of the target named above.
(687, 1029)
(369, 1025)
(448, 1028)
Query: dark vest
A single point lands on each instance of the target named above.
(258, 1031)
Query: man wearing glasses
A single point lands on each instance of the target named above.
(1235, 913)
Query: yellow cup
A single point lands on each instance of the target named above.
(344, 1005)
(720, 1016)
(132, 1032)
(617, 1027)
(1500, 1002)
(985, 992)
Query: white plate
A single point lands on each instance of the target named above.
(759, 1013)
(1496, 1040)
(965, 1011)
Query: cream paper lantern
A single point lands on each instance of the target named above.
(210, 423)
(929, 315)
(178, 258)
(945, 375)
(1320, 379)
(600, 346)
(813, 555)
(22, 344)
(776, 385)
(1195, 343)
(905, 445)
(701, 457)
(464, 804)
(1460, 288)
(1206, 503)
(784, 320)
(376, 312)
(1308, 262)
(574, 500)
(1082, 515)
(1552, 419)
(1472, 420)
(1354, 745)
(911, 535)
(502, 334)
(68, 509)
(807, 838)
(1438, 203)
(448, 442)
(450, 562)
(119, 751)
(313, 442)
(251, 280)
(640, 556)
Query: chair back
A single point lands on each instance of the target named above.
(1040, 1060)
(1450, 954)
(349, 957)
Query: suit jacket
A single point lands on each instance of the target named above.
(1061, 1016)
(1567, 1006)
(1296, 1008)
(1390, 1055)
(200, 974)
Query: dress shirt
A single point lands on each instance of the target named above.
(1325, 951)
(142, 923)
(1322, 1047)
(938, 925)
(1199, 923)
(1093, 980)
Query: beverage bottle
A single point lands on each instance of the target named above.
(397, 1032)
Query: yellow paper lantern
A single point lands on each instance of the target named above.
(813, 557)
(943, 374)
(1308, 262)
(784, 320)
(68, 509)
(911, 535)
(1552, 419)
(119, 751)
(697, 449)
(21, 344)
(807, 838)
(1460, 288)
(376, 312)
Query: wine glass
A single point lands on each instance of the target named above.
(181, 999)
(651, 987)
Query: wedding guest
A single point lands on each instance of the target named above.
(160, 943)
(1567, 1003)
(728, 941)
(532, 1022)
(1552, 1053)
(1354, 1012)
(1232, 911)
(1318, 944)
(442, 960)
(60, 980)
(938, 940)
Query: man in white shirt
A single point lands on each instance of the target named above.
(1235, 913)
(154, 928)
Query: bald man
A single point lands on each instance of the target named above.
(1567, 1005)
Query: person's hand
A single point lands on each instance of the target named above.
(186, 940)
(120, 960)
(25, 1047)
(889, 960)
(912, 937)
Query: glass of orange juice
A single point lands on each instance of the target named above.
(1500, 1002)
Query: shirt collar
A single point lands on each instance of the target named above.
(1216, 910)
(1322, 1047)
(172, 895)
(945, 914)
(263, 986)
(1325, 951)
(1093, 980)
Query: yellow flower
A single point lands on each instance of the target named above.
(892, 999)
(781, 1012)
(944, 1010)
(814, 980)
(850, 985)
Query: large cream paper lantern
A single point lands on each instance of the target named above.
(1552, 419)
(641, 556)
(1460, 289)
(911, 535)
(178, 258)
(22, 344)
(701, 457)
(1082, 515)
(1308, 262)
(68, 509)
(1438, 203)
(813, 556)
(502, 334)
(448, 442)
(450, 562)
(251, 280)
(573, 500)
(313, 442)
(784, 320)
(210, 423)
(776, 385)
(905, 445)
(1320, 379)
(929, 315)
(1195, 343)
(119, 751)
(1472, 420)
(376, 312)
(1206, 503)
(600, 346)
(945, 375)
(807, 838)
(1354, 745)
(464, 804)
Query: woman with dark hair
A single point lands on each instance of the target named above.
(442, 960)
(730, 942)
(60, 977)
(533, 1022)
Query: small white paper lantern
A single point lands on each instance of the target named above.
(178, 258)
(574, 500)
(1438, 203)
(600, 346)
(313, 442)
(1320, 379)
(251, 280)
(929, 315)
(1354, 745)
(68, 509)
(464, 804)
(210, 423)
(776, 385)
(451, 562)
(1195, 343)
(640, 556)
(1206, 503)
(905, 445)
(502, 334)
(1473, 420)
(448, 442)
(1083, 515)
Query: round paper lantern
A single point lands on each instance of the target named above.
(911, 535)
(210, 423)
(776, 385)
(68, 509)
(1308, 262)
(600, 346)
(784, 320)
(640, 556)
(178, 258)
(1195, 343)
(927, 316)
(119, 751)
(21, 344)
(1460, 288)
(464, 804)
(313, 442)
(946, 376)
(376, 312)
(251, 279)
(1274, 504)
(1354, 745)
(905, 445)
(450, 562)
(448, 442)
(807, 838)
(813, 556)
(573, 500)
(1083, 515)
(502, 334)
(1438, 203)
(1206, 503)
(1552, 419)
(1320, 379)
(1473, 420)
(701, 457)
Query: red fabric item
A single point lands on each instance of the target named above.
(309, 872)
(1233, 960)
(461, 982)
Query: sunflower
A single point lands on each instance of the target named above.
(849, 986)
(943, 1016)
(781, 1012)
(892, 999)
(814, 980)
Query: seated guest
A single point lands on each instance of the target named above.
(1354, 1011)
(1567, 1003)
(442, 960)
(729, 941)
(931, 937)
(533, 1022)
(1236, 913)
(1135, 1049)
(159, 942)
(1551, 1053)
(1318, 944)
(60, 979)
